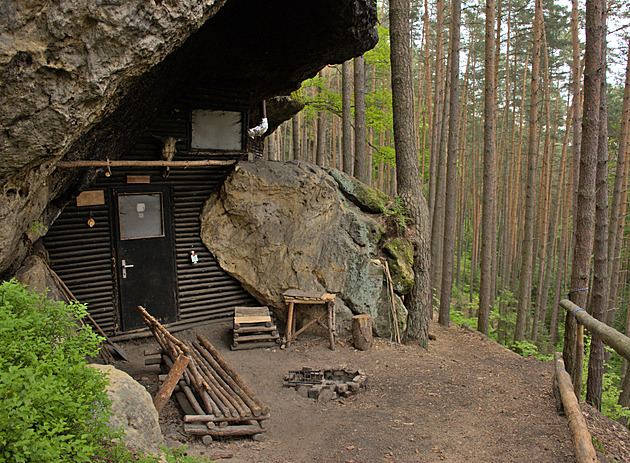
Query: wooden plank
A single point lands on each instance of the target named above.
(91, 198)
(200, 429)
(253, 345)
(171, 380)
(251, 311)
(254, 319)
(130, 163)
(192, 418)
(255, 337)
(296, 294)
(138, 179)
(255, 329)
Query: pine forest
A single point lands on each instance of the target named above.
(521, 116)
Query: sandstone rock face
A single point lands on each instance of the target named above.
(277, 226)
(133, 410)
(61, 61)
(35, 274)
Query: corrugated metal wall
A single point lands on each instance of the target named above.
(83, 256)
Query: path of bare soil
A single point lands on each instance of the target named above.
(465, 400)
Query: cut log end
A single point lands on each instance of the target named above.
(362, 332)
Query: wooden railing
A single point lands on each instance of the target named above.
(609, 336)
(582, 445)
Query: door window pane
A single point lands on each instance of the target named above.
(140, 216)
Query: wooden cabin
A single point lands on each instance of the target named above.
(132, 238)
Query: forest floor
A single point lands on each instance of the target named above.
(466, 399)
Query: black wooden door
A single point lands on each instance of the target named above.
(145, 255)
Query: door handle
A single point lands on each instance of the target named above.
(125, 266)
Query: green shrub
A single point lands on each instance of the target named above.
(53, 407)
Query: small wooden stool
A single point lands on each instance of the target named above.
(294, 296)
(253, 328)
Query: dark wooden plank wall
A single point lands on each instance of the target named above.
(83, 256)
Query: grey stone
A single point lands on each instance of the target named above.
(133, 410)
(326, 395)
(303, 391)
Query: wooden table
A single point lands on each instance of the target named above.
(294, 296)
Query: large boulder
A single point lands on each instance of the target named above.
(133, 411)
(276, 226)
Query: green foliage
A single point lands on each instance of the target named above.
(38, 228)
(458, 317)
(120, 454)
(397, 209)
(54, 407)
(528, 349)
(610, 382)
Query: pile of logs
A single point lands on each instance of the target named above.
(326, 384)
(215, 400)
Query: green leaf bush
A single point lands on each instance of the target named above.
(53, 407)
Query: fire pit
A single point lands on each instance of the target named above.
(326, 384)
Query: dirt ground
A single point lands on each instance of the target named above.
(465, 400)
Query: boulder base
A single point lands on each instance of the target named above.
(133, 410)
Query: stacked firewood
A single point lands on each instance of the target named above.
(215, 400)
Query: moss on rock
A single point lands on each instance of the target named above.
(400, 260)
(367, 198)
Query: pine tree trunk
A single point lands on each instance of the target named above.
(599, 294)
(346, 117)
(487, 224)
(417, 301)
(615, 232)
(525, 277)
(450, 207)
(585, 211)
(320, 153)
(360, 131)
(437, 108)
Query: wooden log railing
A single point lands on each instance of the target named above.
(609, 336)
(580, 437)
